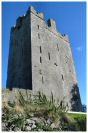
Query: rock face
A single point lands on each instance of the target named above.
(40, 59)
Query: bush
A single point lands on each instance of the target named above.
(15, 114)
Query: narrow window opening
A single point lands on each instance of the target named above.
(40, 49)
(62, 77)
(40, 60)
(38, 26)
(42, 80)
(38, 35)
(57, 47)
(49, 55)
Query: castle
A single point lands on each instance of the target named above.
(40, 59)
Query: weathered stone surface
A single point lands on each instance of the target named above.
(40, 58)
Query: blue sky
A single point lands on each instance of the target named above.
(70, 18)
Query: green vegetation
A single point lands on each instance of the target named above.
(37, 113)
(80, 121)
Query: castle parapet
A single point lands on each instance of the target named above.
(41, 15)
(12, 29)
(18, 22)
(31, 9)
(51, 23)
(65, 37)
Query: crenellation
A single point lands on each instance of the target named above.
(51, 23)
(31, 9)
(19, 22)
(12, 29)
(66, 37)
(41, 15)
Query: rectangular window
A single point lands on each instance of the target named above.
(42, 80)
(40, 49)
(49, 55)
(40, 59)
(38, 35)
(62, 77)
(38, 26)
(57, 47)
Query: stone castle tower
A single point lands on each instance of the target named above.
(40, 58)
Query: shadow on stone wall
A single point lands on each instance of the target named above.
(75, 98)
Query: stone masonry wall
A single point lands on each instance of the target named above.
(52, 62)
(19, 65)
(42, 59)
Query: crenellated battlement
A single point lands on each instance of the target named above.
(65, 37)
(19, 21)
(51, 24)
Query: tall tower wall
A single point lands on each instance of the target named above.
(42, 59)
(19, 64)
(52, 63)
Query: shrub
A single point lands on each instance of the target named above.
(14, 114)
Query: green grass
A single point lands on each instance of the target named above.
(17, 112)
(80, 120)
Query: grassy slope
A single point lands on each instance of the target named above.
(41, 107)
(80, 120)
